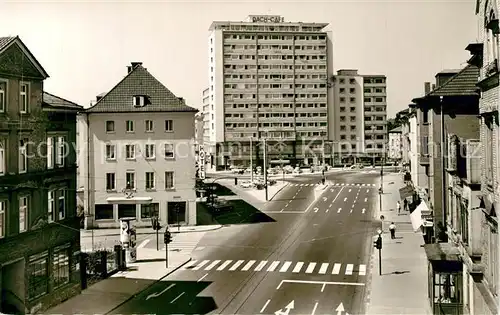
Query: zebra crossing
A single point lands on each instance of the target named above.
(335, 184)
(277, 266)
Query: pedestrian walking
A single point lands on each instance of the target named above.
(392, 229)
(398, 205)
(405, 204)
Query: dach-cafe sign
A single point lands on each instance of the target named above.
(268, 19)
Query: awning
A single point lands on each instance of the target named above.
(128, 201)
(419, 215)
(406, 192)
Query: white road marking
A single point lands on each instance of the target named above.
(202, 277)
(314, 308)
(350, 190)
(248, 265)
(311, 267)
(260, 265)
(285, 212)
(177, 297)
(212, 265)
(336, 269)
(342, 184)
(340, 209)
(363, 211)
(320, 282)
(264, 307)
(323, 287)
(351, 210)
(287, 205)
(345, 199)
(368, 190)
(316, 209)
(348, 269)
(199, 248)
(144, 243)
(273, 265)
(190, 264)
(366, 199)
(362, 270)
(224, 265)
(297, 267)
(330, 205)
(326, 210)
(331, 190)
(203, 263)
(285, 266)
(236, 265)
(323, 268)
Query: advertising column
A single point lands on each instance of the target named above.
(128, 239)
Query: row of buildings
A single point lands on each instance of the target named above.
(274, 80)
(131, 154)
(449, 143)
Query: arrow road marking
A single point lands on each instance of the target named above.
(345, 199)
(366, 199)
(363, 211)
(350, 190)
(340, 309)
(325, 199)
(161, 292)
(340, 209)
(316, 209)
(314, 308)
(286, 310)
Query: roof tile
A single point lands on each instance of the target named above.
(140, 82)
(4, 41)
(461, 84)
(58, 102)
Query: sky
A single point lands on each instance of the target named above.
(85, 46)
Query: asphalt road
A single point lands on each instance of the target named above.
(312, 257)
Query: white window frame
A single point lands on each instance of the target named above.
(150, 182)
(112, 122)
(51, 205)
(130, 151)
(24, 97)
(23, 209)
(173, 180)
(133, 183)
(50, 152)
(3, 210)
(139, 100)
(149, 125)
(129, 126)
(23, 156)
(62, 196)
(150, 151)
(112, 156)
(3, 96)
(169, 125)
(165, 151)
(3, 162)
(114, 182)
(60, 151)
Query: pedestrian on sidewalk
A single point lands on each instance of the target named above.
(392, 229)
(405, 204)
(398, 206)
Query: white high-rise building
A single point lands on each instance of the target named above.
(269, 79)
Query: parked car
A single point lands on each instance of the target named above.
(222, 206)
(246, 184)
(297, 170)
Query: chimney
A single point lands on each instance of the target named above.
(129, 69)
(181, 99)
(98, 98)
(427, 87)
(135, 64)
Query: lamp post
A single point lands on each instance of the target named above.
(378, 245)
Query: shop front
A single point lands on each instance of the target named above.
(445, 281)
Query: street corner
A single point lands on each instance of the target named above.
(170, 297)
(235, 211)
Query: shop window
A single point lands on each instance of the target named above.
(176, 212)
(103, 212)
(445, 290)
(148, 211)
(126, 211)
(38, 278)
(60, 267)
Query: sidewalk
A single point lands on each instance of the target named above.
(150, 268)
(251, 195)
(402, 287)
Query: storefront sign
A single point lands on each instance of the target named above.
(201, 164)
(268, 19)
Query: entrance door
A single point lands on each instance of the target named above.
(176, 212)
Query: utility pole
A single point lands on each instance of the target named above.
(265, 166)
(251, 160)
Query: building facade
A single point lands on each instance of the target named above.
(395, 150)
(269, 80)
(360, 115)
(142, 161)
(483, 266)
(39, 232)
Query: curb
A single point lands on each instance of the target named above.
(149, 286)
(204, 230)
(286, 185)
(216, 227)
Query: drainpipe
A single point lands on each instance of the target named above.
(88, 215)
(443, 171)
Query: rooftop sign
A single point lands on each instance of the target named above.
(267, 18)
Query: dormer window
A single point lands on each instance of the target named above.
(139, 100)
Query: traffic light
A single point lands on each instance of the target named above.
(378, 243)
(167, 237)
